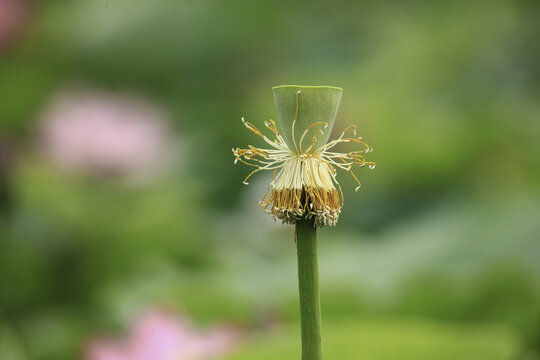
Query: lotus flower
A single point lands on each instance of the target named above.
(157, 335)
(13, 14)
(105, 135)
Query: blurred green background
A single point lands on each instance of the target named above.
(118, 190)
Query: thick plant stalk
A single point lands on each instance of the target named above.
(308, 281)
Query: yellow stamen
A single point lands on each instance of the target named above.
(304, 184)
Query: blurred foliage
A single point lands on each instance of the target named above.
(381, 339)
(436, 257)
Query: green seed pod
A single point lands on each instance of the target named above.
(316, 105)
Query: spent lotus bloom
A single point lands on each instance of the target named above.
(158, 335)
(304, 163)
(106, 135)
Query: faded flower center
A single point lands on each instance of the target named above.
(305, 182)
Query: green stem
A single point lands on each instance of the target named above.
(308, 279)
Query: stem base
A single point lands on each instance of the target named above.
(308, 281)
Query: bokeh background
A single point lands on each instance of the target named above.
(119, 197)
